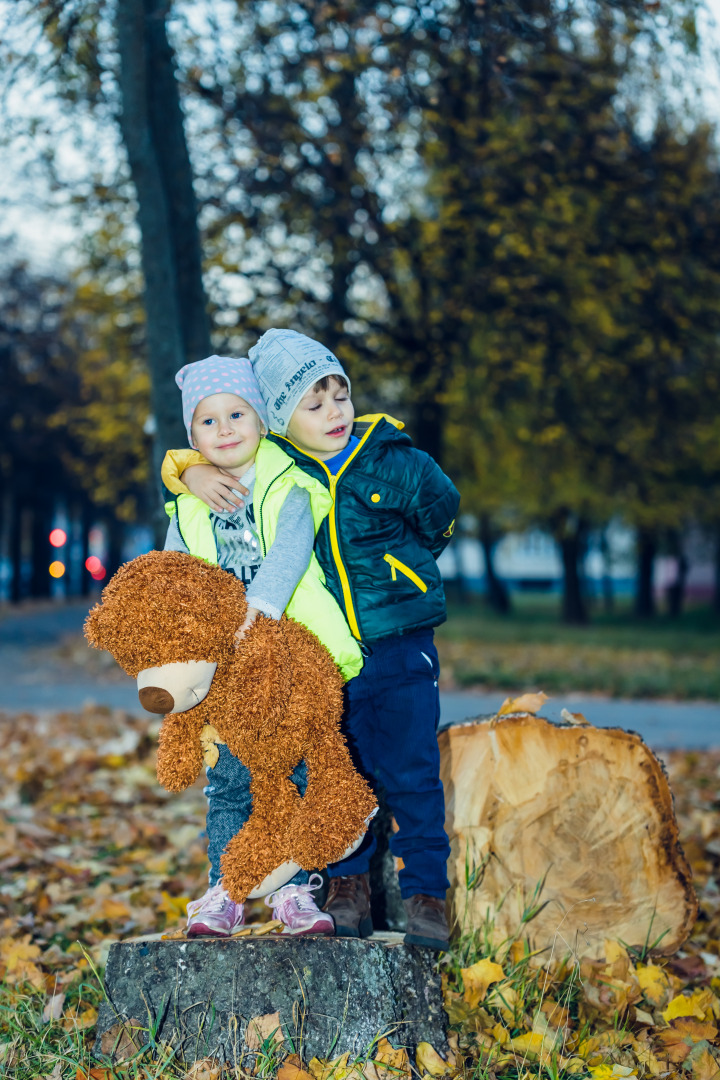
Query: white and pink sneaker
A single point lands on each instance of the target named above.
(295, 906)
(214, 914)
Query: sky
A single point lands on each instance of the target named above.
(33, 216)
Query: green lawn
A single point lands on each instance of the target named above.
(616, 654)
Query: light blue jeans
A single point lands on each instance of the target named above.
(230, 805)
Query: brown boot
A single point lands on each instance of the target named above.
(426, 922)
(349, 904)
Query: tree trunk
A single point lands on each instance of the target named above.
(15, 549)
(608, 593)
(571, 537)
(716, 589)
(575, 822)
(115, 535)
(497, 593)
(152, 129)
(676, 591)
(42, 552)
(644, 595)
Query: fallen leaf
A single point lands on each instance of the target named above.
(123, 1040)
(204, 1069)
(526, 703)
(262, 1028)
(93, 1074)
(531, 1043)
(575, 719)
(175, 907)
(388, 1062)
(701, 1062)
(610, 1072)
(654, 983)
(53, 1008)
(268, 928)
(75, 1020)
(477, 978)
(17, 956)
(292, 1069)
(699, 1004)
(429, 1061)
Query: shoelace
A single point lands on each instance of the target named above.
(213, 901)
(301, 894)
(344, 888)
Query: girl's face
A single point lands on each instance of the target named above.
(226, 431)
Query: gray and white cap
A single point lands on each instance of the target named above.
(286, 365)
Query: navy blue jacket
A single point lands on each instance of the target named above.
(393, 513)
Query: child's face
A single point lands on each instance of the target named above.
(322, 422)
(226, 430)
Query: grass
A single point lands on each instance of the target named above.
(616, 654)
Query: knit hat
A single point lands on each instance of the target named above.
(218, 375)
(286, 365)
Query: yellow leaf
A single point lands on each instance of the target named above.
(113, 909)
(292, 1071)
(531, 1043)
(175, 907)
(429, 1061)
(204, 1069)
(209, 740)
(17, 956)
(387, 1062)
(477, 978)
(330, 1070)
(526, 703)
(703, 1064)
(654, 983)
(614, 951)
(701, 1003)
(610, 1072)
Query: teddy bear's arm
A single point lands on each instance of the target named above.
(180, 753)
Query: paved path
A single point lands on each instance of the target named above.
(39, 672)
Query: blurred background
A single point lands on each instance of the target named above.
(504, 217)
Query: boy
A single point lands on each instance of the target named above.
(393, 513)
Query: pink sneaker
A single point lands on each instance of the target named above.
(214, 914)
(295, 906)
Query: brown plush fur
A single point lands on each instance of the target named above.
(275, 700)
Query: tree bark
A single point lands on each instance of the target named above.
(497, 593)
(42, 554)
(152, 128)
(15, 549)
(644, 595)
(572, 537)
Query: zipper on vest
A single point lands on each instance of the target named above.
(262, 503)
(333, 481)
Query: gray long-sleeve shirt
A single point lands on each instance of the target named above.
(269, 582)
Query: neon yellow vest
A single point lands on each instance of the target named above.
(311, 604)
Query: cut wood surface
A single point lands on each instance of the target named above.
(589, 810)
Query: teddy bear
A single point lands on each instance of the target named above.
(274, 698)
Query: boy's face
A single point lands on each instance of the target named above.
(226, 430)
(322, 422)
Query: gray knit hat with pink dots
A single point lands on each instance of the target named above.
(218, 375)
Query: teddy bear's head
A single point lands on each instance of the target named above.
(169, 620)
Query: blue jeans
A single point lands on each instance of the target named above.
(230, 805)
(392, 715)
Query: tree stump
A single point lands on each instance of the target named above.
(564, 836)
(215, 998)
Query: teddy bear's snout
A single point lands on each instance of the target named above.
(175, 688)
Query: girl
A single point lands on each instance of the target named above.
(267, 542)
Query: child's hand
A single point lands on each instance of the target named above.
(252, 614)
(214, 486)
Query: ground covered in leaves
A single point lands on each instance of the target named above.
(92, 849)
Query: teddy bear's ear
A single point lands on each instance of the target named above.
(96, 626)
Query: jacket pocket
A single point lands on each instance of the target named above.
(396, 565)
